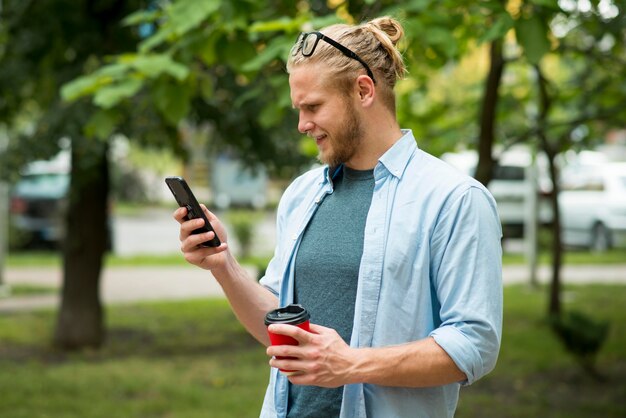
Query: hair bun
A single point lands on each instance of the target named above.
(389, 26)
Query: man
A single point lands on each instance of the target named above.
(396, 255)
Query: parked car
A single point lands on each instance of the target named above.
(235, 185)
(592, 204)
(37, 203)
(511, 186)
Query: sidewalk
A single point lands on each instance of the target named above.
(129, 284)
(118, 285)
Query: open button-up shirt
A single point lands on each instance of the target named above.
(431, 266)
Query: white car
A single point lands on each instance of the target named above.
(592, 204)
(511, 186)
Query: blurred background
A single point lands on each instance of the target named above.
(101, 316)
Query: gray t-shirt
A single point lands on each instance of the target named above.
(326, 276)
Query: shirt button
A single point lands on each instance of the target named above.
(318, 200)
(294, 237)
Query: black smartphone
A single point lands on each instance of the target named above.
(185, 198)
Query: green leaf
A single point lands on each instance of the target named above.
(499, 29)
(115, 71)
(109, 96)
(154, 65)
(101, 124)
(442, 37)
(271, 115)
(172, 100)
(79, 87)
(186, 15)
(164, 33)
(277, 49)
(208, 52)
(284, 24)
(550, 4)
(207, 88)
(531, 34)
(141, 16)
(236, 52)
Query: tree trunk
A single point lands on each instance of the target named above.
(80, 321)
(554, 306)
(545, 103)
(484, 168)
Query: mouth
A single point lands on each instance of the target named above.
(319, 139)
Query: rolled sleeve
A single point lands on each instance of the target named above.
(468, 282)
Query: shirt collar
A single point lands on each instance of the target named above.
(398, 156)
(394, 160)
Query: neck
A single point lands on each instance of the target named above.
(381, 131)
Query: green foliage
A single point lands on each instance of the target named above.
(582, 336)
(162, 359)
(243, 223)
(531, 34)
(193, 359)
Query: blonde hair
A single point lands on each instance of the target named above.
(374, 42)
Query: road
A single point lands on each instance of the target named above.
(155, 232)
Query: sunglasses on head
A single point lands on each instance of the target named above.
(307, 42)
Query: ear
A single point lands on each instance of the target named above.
(366, 90)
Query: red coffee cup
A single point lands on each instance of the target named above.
(293, 314)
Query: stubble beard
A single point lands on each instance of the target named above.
(344, 145)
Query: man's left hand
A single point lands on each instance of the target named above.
(322, 357)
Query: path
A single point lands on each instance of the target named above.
(129, 284)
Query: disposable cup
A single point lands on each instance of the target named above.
(293, 314)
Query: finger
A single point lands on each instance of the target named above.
(180, 214)
(286, 350)
(293, 331)
(192, 225)
(192, 242)
(290, 365)
(187, 227)
(318, 329)
(209, 215)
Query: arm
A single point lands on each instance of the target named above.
(249, 300)
(324, 359)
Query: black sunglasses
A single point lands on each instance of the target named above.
(307, 42)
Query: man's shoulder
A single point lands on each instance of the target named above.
(430, 174)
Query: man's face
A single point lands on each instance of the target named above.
(326, 115)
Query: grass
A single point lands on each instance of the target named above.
(193, 359)
(53, 259)
(187, 359)
(32, 289)
(572, 257)
(535, 377)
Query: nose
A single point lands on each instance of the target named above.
(304, 124)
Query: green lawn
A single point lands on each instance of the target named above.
(192, 359)
(52, 259)
(184, 359)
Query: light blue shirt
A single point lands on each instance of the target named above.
(431, 266)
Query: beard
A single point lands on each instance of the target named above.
(344, 144)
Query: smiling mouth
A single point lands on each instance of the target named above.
(319, 139)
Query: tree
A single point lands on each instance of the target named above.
(38, 55)
(223, 62)
(588, 99)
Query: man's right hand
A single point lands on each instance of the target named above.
(207, 258)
